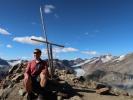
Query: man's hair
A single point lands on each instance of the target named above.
(37, 50)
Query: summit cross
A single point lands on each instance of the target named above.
(48, 44)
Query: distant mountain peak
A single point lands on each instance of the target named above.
(106, 58)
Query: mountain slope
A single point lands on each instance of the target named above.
(117, 71)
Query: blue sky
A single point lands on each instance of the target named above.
(86, 28)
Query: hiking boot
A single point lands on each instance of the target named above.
(31, 96)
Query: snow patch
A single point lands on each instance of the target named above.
(106, 58)
(121, 58)
(80, 64)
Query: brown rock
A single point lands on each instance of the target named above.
(22, 92)
(1, 92)
(103, 91)
(18, 78)
(100, 85)
(62, 94)
(13, 69)
(125, 94)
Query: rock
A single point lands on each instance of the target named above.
(62, 82)
(18, 78)
(1, 92)
(6, 83)
(69, 72)
(6, 92)
(103, 91)
(13, 69)
(125, 94)
(71, 77)
(131, 96)
(62, 77)
(118, 91)
(75, 80)
(11, 85)
(64, 95)
(76, 98)
(100, 85)
(81, 79)
(21, 92)
(59, 98)
(92, 84)
(19, 69)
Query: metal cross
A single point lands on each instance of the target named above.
(49, 46)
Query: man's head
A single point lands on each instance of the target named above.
(37, 53)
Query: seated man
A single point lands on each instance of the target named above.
(36, 75)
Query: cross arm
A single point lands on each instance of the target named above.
(47, 42)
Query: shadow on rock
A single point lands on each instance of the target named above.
(61, 89)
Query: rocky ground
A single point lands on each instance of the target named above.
(64, 86)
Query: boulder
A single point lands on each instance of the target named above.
(100, 85)
(1, 92)
(18, 78)
(103, 91)
(13, 69)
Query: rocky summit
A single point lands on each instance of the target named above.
(64, 86)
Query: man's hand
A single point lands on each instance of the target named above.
(27, 83)
(43, 77)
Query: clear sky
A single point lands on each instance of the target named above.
(86, 28)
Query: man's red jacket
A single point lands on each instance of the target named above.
(34, 68)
